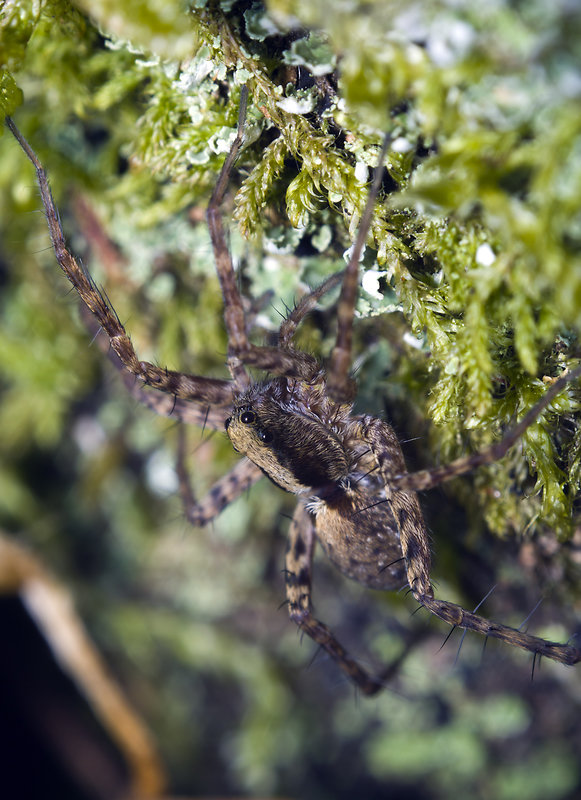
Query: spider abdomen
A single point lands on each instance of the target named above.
(361, 538)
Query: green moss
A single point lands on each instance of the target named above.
(10, 94)
(478, 237)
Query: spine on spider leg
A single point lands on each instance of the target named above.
(457, 616)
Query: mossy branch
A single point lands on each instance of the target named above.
(476, 233)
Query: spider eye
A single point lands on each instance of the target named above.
(265, 436)
(227, 422)
(248, 417)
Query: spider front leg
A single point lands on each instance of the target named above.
(241, 352)
(415, 547)
(299, 560)
(181, 386)
(339, 384)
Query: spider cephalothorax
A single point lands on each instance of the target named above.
(348, 471)
(293, 432)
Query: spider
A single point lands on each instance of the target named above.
(298, 428)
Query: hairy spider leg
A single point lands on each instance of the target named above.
(339, 384)
(428, 478)
(188, 411)
(241, 352)
(416, 551)
(181, 385)
(298, 572)
(202, 415)
(298, 578)
(234, 317)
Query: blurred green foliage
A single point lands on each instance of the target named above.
(472, 296)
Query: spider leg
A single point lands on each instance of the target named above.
(427, 478)
(298, 590)
(307, 303)
(416, 550)
(203, 415)
(181, 385)
(339, 385)
(241, 477)
(241, 352)
(233, 310)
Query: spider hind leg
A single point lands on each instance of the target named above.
(416, 551)
(298, 589)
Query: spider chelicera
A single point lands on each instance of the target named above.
(354, 495)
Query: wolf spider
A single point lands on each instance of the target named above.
(297, 428)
